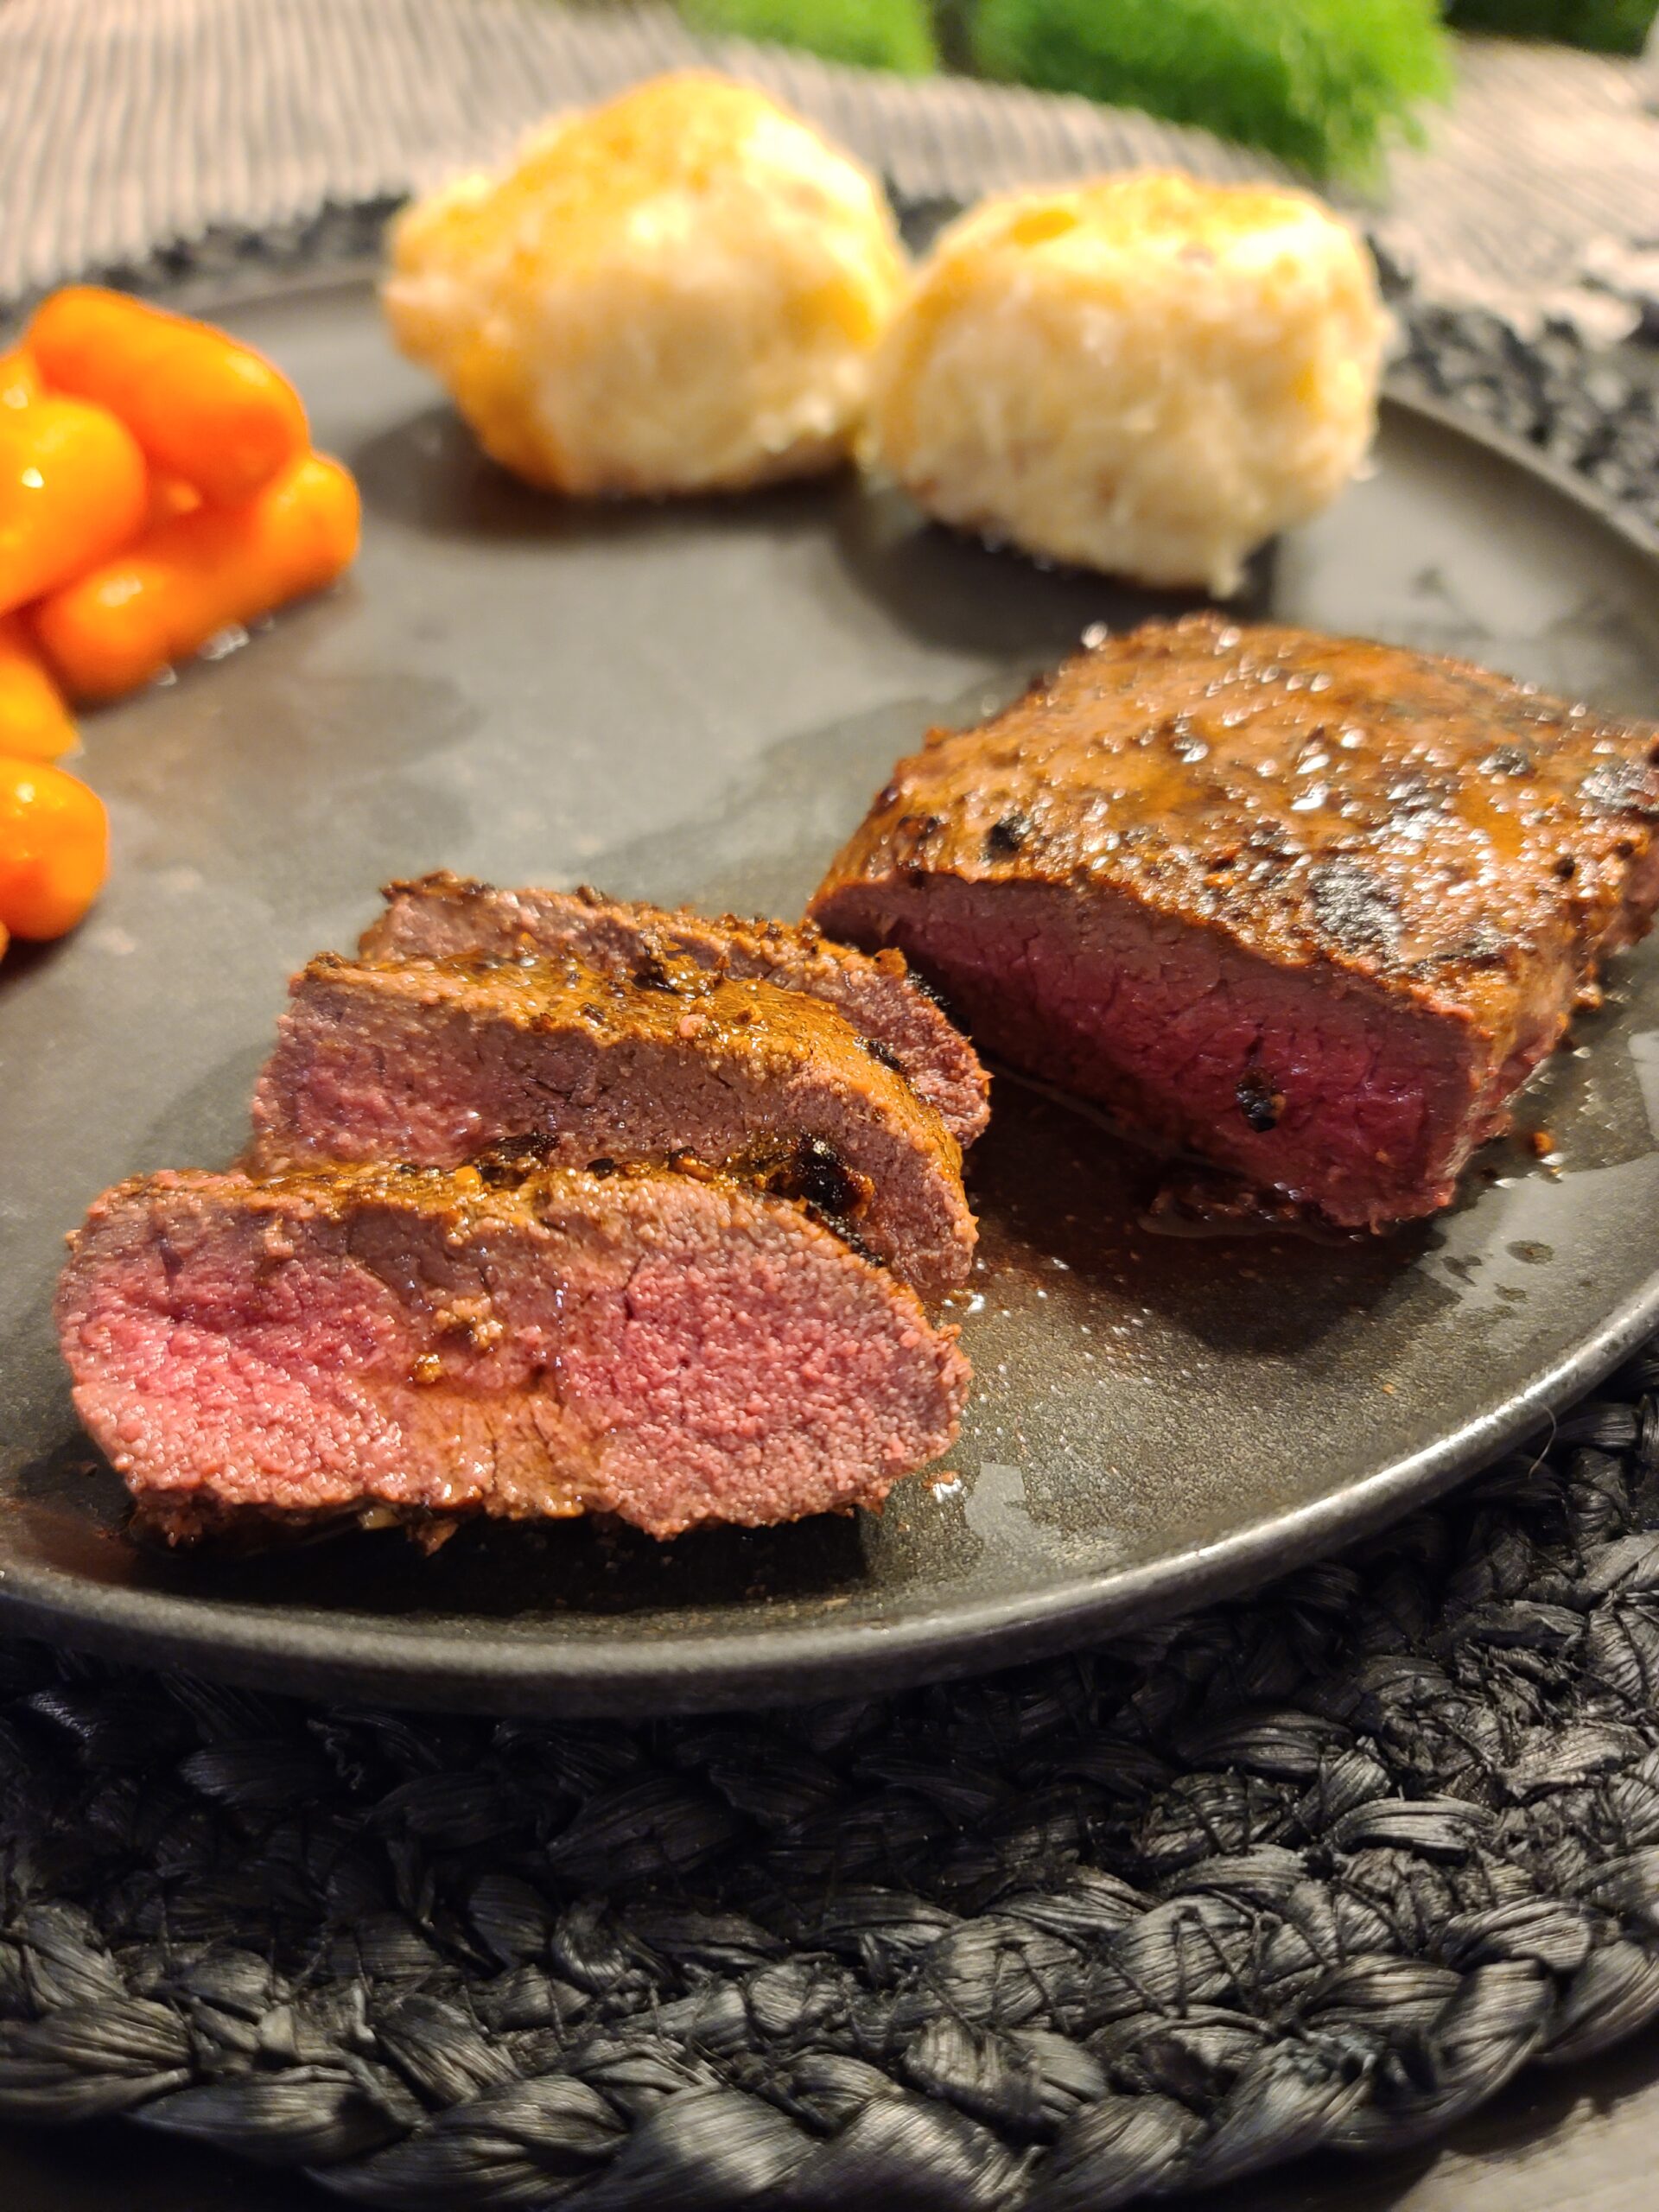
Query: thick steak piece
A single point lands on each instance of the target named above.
(413, 1343)
(1308, 907)
(433, 1061)
(439, 917)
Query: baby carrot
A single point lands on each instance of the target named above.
(72, 488)
(167, 596)
(202, 406)
(54, 842)
(169, 498)
(33, 720)
(20, 380)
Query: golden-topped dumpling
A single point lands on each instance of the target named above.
(1147, 374)
(679, 291)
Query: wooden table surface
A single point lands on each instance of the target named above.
(1586, 2139)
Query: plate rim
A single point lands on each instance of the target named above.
(487, 1669)
(490, 1666)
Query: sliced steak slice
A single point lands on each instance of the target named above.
(1308, 907)
(434, 1060)
(439, 916)
(383, 1344)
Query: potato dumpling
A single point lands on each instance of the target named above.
(679, 291)
(1147, 374)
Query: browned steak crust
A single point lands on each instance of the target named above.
(433, 1060)
(442, 916)
(1311, 907)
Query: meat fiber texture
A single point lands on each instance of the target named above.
(443, 916)
(419, 1345)
(433, 1061)
(1309, 908)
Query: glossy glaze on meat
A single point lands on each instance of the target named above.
(443, 916)
(432, 1061)
(1311, 907)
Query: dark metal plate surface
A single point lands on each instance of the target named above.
(695, 703)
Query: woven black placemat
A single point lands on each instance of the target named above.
(1323, 1870)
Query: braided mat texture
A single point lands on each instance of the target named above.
(1592, 411)
(1323, 1870)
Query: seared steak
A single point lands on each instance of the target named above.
(1311, 908)
(433, 1060)
(442, 916)
(417, 1343)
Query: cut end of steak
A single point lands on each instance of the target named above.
(433, 1061)
(1310, 908)
(417, 1343)
(443, 917)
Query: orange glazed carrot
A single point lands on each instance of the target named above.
(33, 720)
(202, 406)
(72, 489)
(162, 600)
(169, 498)
(20, 380)
(54, 838)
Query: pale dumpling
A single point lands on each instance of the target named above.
(1147, 374)
(679, 291)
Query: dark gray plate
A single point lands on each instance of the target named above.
(695, 703)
